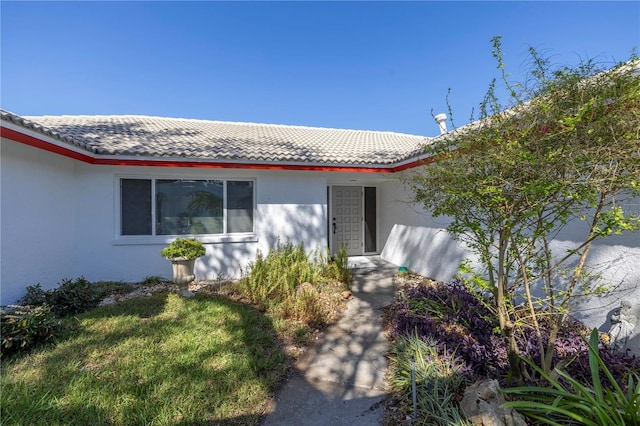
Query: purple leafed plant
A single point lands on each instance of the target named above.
(465, 328)
(458, 321)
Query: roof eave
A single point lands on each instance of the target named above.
(150, 161)
(36, 139)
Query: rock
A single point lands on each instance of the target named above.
(347, 295)
(481, 404)
(149, 290)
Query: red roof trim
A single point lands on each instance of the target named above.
(224, 165)
(411, 165)
(48, 146)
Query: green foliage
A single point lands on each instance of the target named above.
(438, 382)
(69, 298)
(153, 280)
(471, 278)
(337, 267)
(103, 289)
(73, 297)
(293, 285)
(305, 307)
(37, 319)
(23, 327)
(576, 403)
(184, 248)
(566, 149)
(274, 277)
(35, 296)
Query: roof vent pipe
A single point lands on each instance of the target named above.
(441, 120)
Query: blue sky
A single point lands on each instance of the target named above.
(357, 65)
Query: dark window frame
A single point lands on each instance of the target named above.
(236, 220)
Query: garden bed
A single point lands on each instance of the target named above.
(452, 335)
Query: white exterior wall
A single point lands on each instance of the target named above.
(292, 206)
(415, 239)
(289, 205)
(59, 219)
(421, 243)
(37, 215)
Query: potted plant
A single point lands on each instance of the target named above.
(183, 253)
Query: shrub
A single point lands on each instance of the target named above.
(23, 327)
(274, 277)
(304, 307)
(73, 297)
(187, 248)
(70, 298)
(338, 267)
(458, 321)
(153, 280)
(576, 403)
(292, 285)
(35, 296)
(439, 381)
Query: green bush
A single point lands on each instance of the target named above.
(23, 327)
(187, 248)
(153, 280)
(293, 285)
(338, 267)
(73, 297)
(274, 278)
(70, 298)
(35, 296)
(104, 289)
(438, 381)
(592, 405)
(304, 307)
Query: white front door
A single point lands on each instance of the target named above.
(346, 219)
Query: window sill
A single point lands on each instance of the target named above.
(166, 239)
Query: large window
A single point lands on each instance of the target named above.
(183, 206)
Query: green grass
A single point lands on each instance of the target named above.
(163, 360)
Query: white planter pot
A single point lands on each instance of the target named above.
(183, 270)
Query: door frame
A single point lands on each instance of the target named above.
(362, 221)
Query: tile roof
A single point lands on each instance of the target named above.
(158, 137)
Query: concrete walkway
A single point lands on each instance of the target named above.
(341, 379)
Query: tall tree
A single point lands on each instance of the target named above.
(565, 148)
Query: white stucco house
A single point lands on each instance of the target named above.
(100, 196)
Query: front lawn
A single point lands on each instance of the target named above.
(160, 360)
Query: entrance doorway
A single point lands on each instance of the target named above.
(353, 219)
